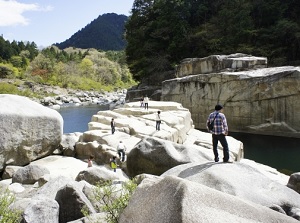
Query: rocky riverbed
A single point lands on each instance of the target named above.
(55, 96)
(179, 180)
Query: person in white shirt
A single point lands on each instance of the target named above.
(146, 101)
(121, 151)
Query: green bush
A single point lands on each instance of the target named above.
(6, 88)
(113, 198)
(7, 214)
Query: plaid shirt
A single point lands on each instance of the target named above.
(220, 123)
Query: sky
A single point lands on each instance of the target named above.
(46, 22)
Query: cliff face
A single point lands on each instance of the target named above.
(262, 101)
(217, 63)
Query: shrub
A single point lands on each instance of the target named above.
(5, 71)
(113, 198)
(7, 213)
(7, 88)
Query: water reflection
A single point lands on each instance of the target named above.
(281, 153)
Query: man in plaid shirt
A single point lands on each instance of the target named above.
(219, 132)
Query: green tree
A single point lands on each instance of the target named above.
(137, 35)
(86, 67)
(161, 33)
(17, 61)
(41, 66)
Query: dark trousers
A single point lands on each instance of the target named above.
(223, 141)
(113, 129)
(158, 125)
(121, 154)
(146, 105)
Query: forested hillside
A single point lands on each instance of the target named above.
(69, 68)
(15, 57)
(161, 33)
(104, 33)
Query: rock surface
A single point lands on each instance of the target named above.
(294, 182)
(234, 178)
(218, 63)
(29, 174)
(68, 184)
(262, 101)
(28, 130)
(180, 201)
(150, 151)
(39, 209)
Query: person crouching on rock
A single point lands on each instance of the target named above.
(90, 161)
(113, 163)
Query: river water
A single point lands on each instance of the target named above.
(76, 119)
(278, 152)
(282, 153)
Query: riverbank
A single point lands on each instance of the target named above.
(56, 97)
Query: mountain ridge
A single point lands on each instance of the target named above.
(104, 33)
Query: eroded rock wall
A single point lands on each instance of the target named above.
(218, 63)
(262, 101)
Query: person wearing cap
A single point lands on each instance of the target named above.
(219, 131)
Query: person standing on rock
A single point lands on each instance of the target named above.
(146, 101)
(112, 124)
(219, 132)
(121, 151)
(142, 101)
(158, 121)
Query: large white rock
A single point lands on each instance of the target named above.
(38, 209)
(180, 201)
(138, 122)
(154, 156)
(94, 175)
(28, 130)
(29, 174)
(240, 180)
(62, 166)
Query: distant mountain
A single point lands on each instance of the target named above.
(104, 33)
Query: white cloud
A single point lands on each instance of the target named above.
(11, 12)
